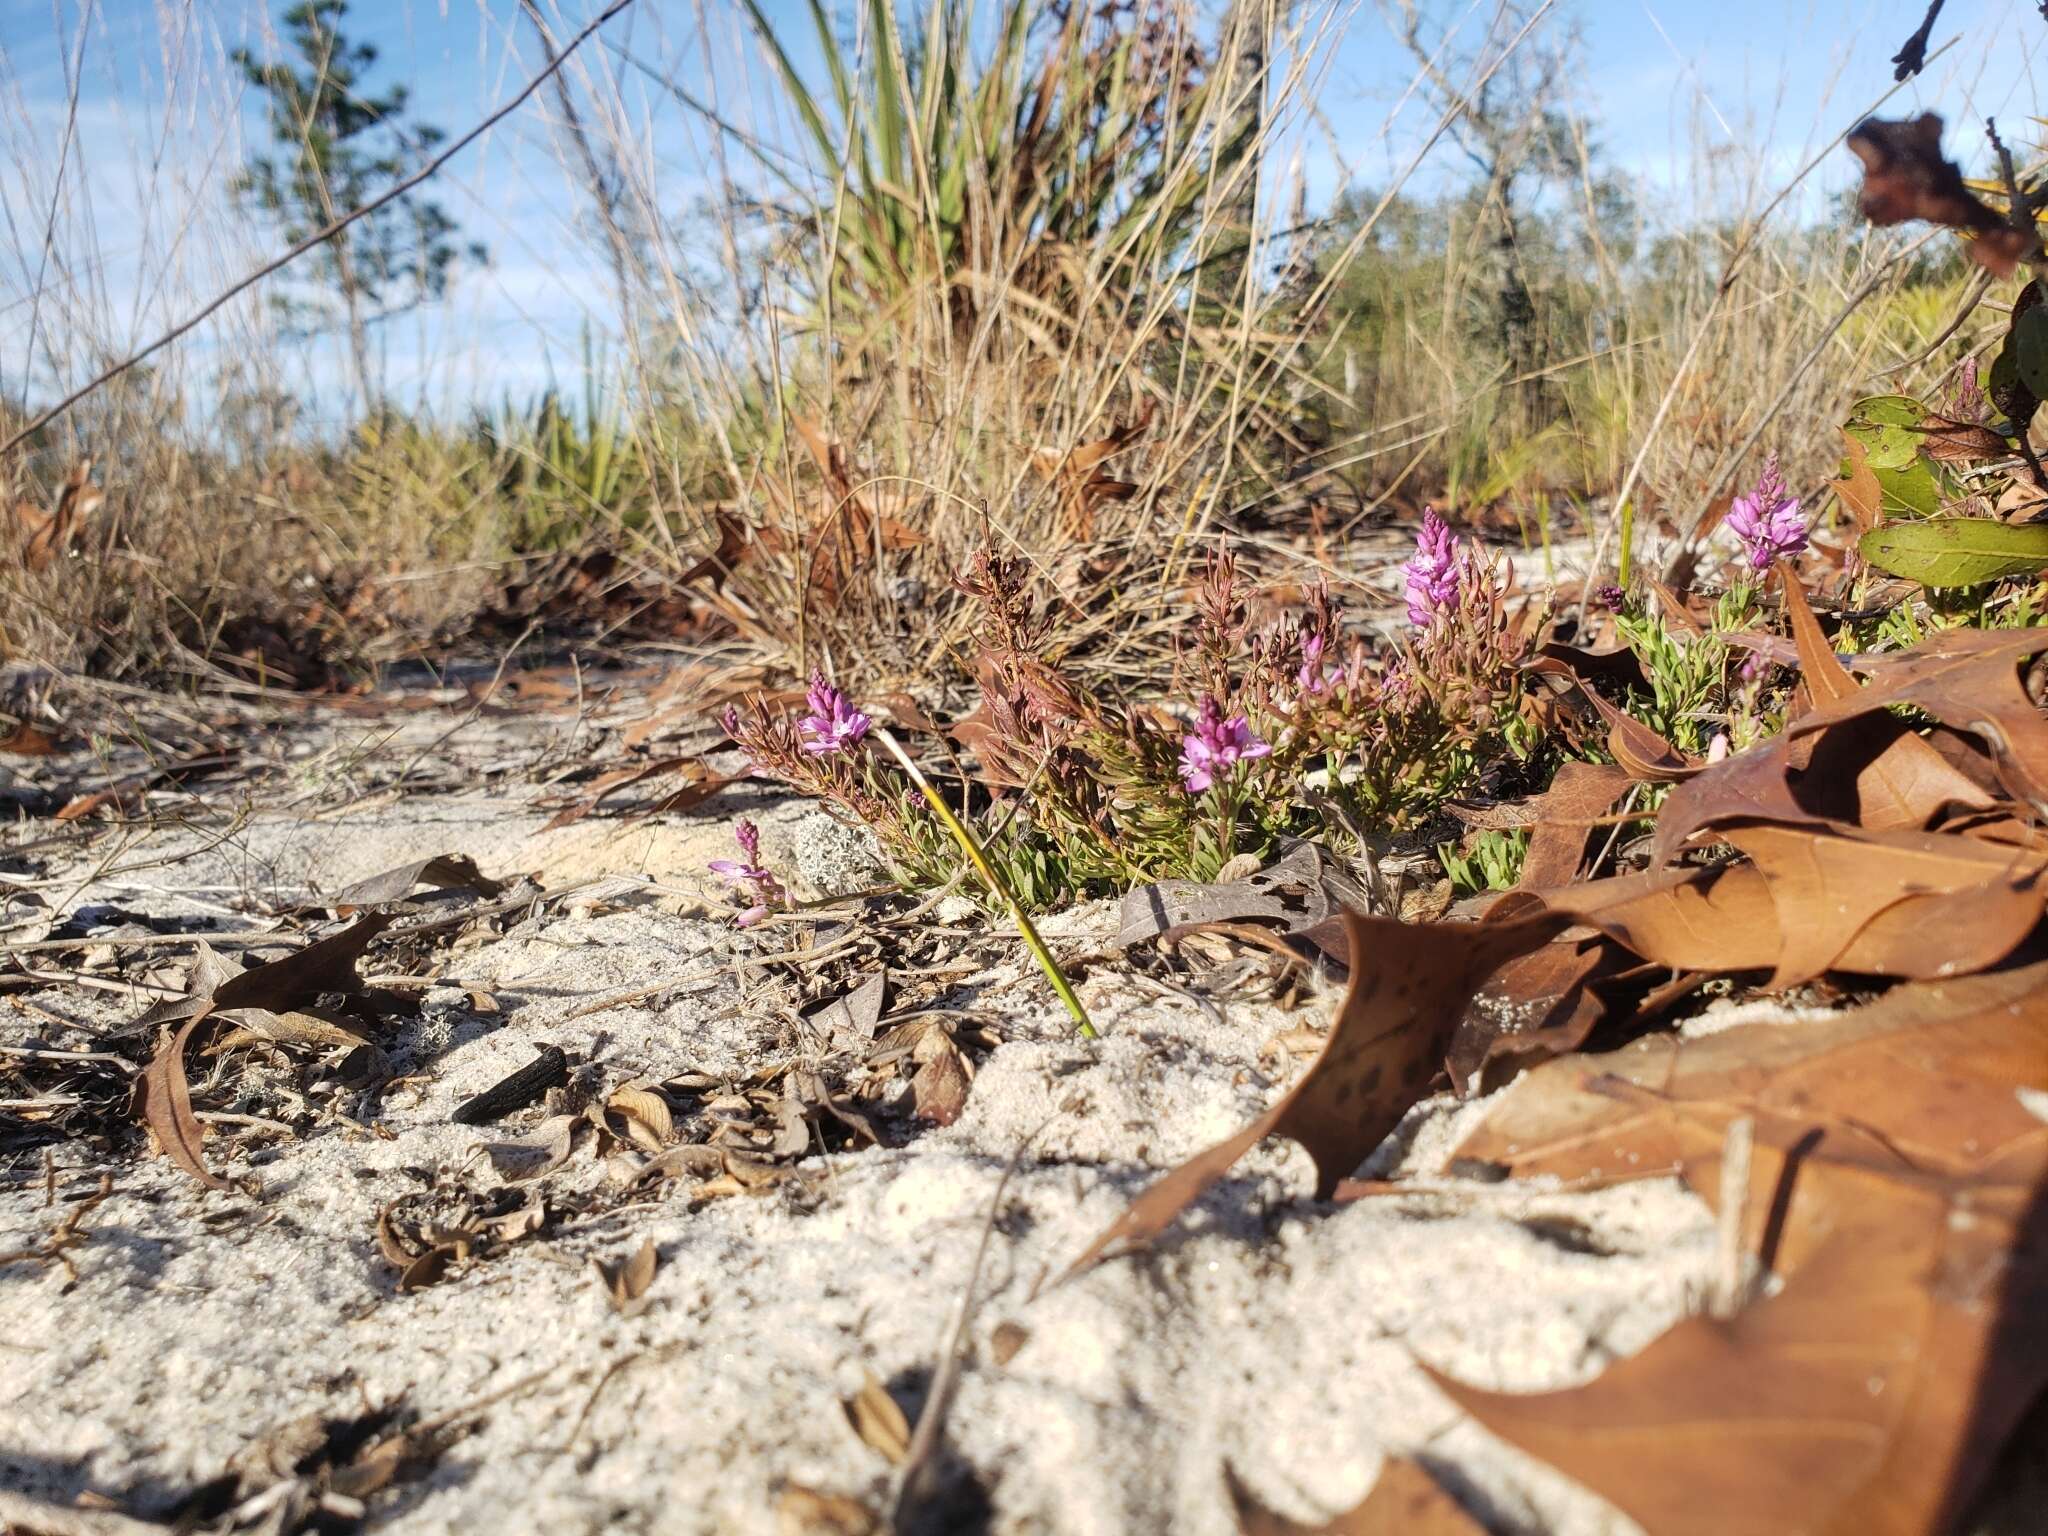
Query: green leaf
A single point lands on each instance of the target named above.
(1909, 492)
(1957, 551)
(2030, 350)
(1884, 425)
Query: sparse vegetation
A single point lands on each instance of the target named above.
(1073, 565)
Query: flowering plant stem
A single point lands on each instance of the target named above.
(987, 871)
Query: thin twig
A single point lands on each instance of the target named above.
(1973, 299)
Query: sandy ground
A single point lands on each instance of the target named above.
(1272, 1336)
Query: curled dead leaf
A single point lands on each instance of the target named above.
(441, 872)
(644, 1114)
(1906, 177)
(540, 1152)
(879, 1420)
(430, 1268)
(626, 1283)
(165, 1104)
(938, 1092)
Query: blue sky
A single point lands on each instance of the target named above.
(1745, 88)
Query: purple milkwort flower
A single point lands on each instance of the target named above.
(1215, 746)
(747, 876)
(1436, 572)
(1609, 597)
(833, 724)
(1767, 520)
(1313, 677)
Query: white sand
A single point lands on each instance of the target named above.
(1271, 1334)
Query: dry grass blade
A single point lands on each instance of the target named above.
(922, 1448)
(35, 1517)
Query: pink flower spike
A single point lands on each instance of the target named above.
(757, 885)
(1963, 399)
(833, 724)
(1767, 520)
(1215, 746)
(1436, 572)
(1313, 677)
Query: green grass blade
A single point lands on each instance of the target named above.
(987, 871)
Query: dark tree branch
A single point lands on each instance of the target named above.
(1912, 58)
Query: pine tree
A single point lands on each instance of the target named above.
(339, 147)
